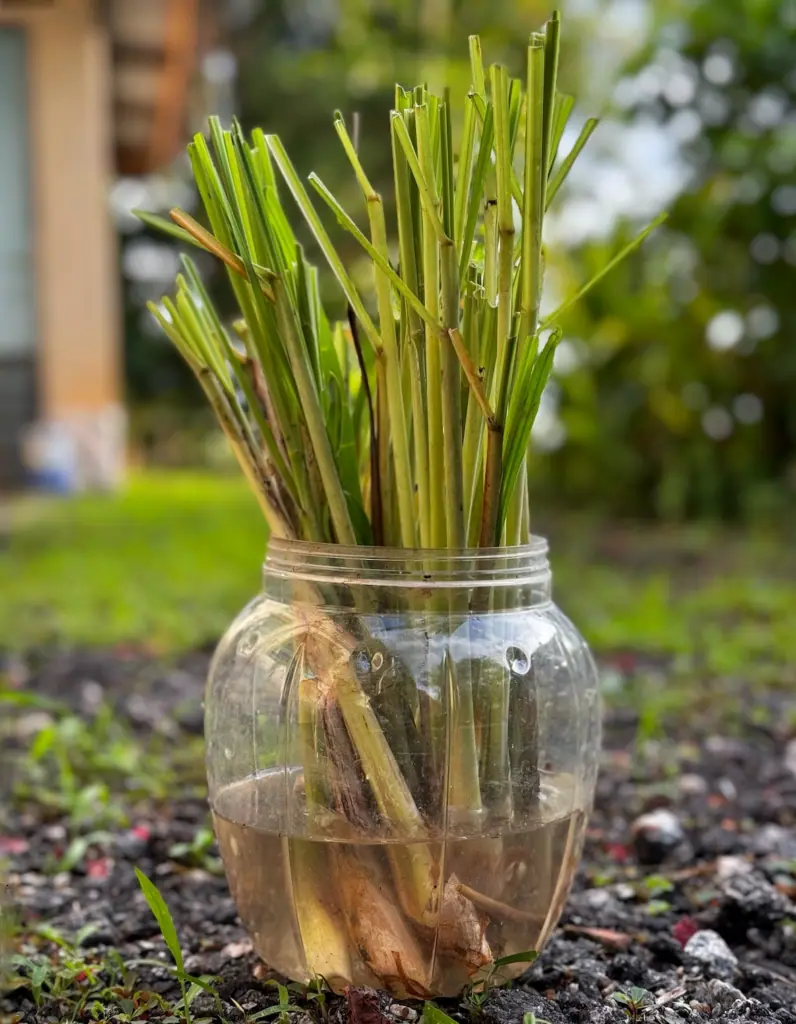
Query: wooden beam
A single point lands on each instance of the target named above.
(179, 47)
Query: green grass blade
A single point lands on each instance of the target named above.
(560, 176)
(609, 266)
(162, 915)
(561, 111)
(299, 193)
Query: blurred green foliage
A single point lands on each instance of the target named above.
(683, 404)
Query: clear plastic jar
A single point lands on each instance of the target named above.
(402, 749)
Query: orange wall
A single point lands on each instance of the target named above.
(77, 306)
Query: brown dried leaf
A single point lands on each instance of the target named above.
(461, 930)
(378, 928)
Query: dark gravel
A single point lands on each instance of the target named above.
(687, 889)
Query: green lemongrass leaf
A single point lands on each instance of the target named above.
(167, 227)
(561, 111)
(392, 369)
(552, 33)
(265, 245)
(505, 224)
(634, 243)
(216, 207)
(309, 213)
(447, 188)
(431, 237)
(190, 319)
(166, 321)
(162, 915)
(451, 375)
(297, 353)
(275, 214)
(476, 198)
(516, 440)
(477, 66)
(481, 110)
(423, 185)
(560, 175)
(353, 157)
(412, 324)
(245, 203)
(378, 258)
(533, 198)
(464, 173)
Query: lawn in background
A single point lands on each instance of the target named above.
(170, 560)
(166, 562)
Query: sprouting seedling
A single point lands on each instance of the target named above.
(162, 915)
(283, 1008)
(493, 978)
(636, 1001)
(314, 992)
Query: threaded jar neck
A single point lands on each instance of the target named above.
(523, 565)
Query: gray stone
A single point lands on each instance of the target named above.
(722, 994)
(730, 865)
(711, 953)
(756, 898)
(656, 835)
(775, 840)
(790, 757)
(692, 785)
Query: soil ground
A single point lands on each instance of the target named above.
(688, 915)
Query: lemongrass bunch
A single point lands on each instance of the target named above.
(411, 427)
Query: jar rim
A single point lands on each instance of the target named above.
(408, 567)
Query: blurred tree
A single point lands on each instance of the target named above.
(682, 392)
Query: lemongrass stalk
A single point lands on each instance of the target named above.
(533, 190)
(450, 376)
(414, 351)
(253, 388)
(293, 182)
(395, 407)
(552, 34)
(505, 220)
(514, 515)
(260, 320)
(464, 173)
(323, 942)
(317, 430)
(463, 788)
(430, 261)
(477, 66)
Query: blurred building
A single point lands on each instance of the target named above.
(89, 89)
